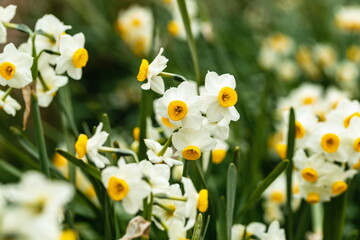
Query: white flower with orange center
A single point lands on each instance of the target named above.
(51, 25)
(345, 111)
(336, 180)
(90, 146)
(314, 192)
(190, 143)
(313, 168)
(348, 18)
(196, 201)
(6, 15)
(52, 84)
(180, 106)
(73, 56)
(9, 105)
(151, 73)
(166, 126)
(155, 156)
(15, 67)
(329, 139)
(124, 184)
(219, 97)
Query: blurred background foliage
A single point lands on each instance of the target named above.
(239, 26)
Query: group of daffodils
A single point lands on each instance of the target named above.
(46, 55)
(327, 142)
(34, 208)
(279, 54)
(194, 125)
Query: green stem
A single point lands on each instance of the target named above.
(165, 147)
(144, 112)
(191, 41)
(7, 93)
(40, 139)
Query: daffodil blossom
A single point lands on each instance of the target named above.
(219, 97)
(151, 73)
(191, 143)
(73, 56)
(6, 14)
(125, 184)
(274, 232)
(154, 150)
(180, 106)
(9, 105)
(15, 67)
(90, 146)
(252, 229)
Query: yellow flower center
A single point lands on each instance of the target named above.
(277, 197)
(80, 58)
(117, 188)
(177, 110)
(143, 70)
(227, 97)
(59, 160)
(191, 153)
(171, 208)
(136, 22)
(203, 201)
(281, 150)
(7, 70)
(218, 155)
(309, 174)
(167, 122)
(136, 133)
(308, 100)
(173, 28)
(80, 145)
(339, 187)
(348, 119)
(357, 145)
(330, 142)
(299, 130)
(279, 42)
(313, 198)
(68, 234)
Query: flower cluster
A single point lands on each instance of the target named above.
(48, 53)
(256, 230)
(34, 208)
(327, 141)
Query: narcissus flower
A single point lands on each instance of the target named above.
(9, 105)
(348, 18)
(157, 175)
(252, 229)
(274, 232)
(90, 146)
(73, 55)
(151, 73)
(6, 15)
(219, 97)
(15, 67)
(191, 143)
(125, 184)
(154, 150)
(180, 106)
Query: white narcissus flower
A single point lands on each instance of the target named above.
(219, 97)
(154, 150)
(345, 111)
(353, 132)
(6, 15)
(9, 105)
(176, 230)
(336, 180)
(348, 18)
(218, 130)
(274, 232)
(125, 184)
(49, 24)
(73, 56)
(90, 146)
(180, 106)
(53, 82)
(157, 175)
(252, 229)
(151, 73)
(191, 143)
(195, 201)
(48, 196)
(15, 67)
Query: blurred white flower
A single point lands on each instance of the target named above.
(348, 18)
(9, 105)
(6, 15)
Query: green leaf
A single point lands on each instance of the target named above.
(197, 228)
(230, 197)
(256, 195)
(87, 168)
